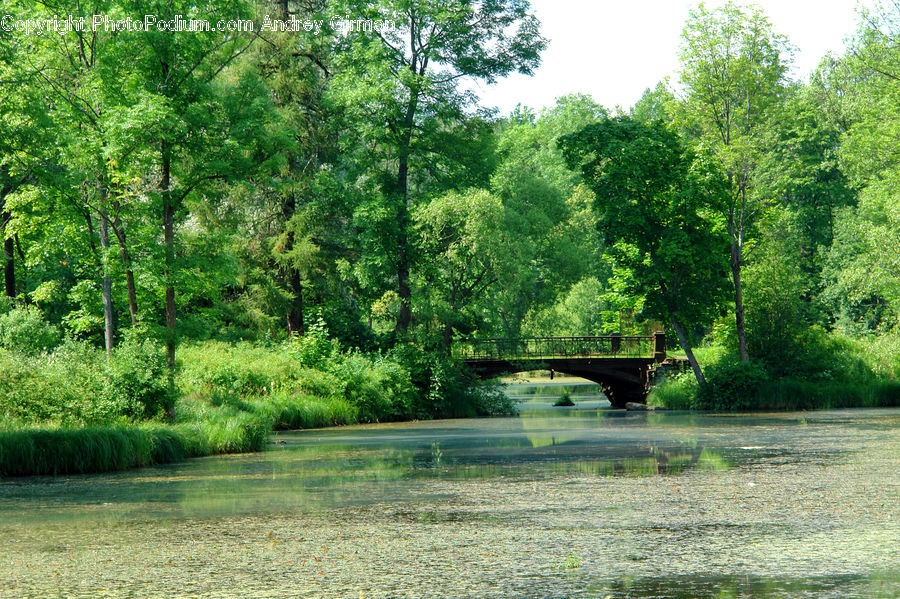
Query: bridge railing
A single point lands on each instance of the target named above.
(535, 348)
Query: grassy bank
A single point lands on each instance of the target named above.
(66, 411)
(832, 372)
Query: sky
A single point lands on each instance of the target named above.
(615, 49)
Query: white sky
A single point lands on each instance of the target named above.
(615, 49)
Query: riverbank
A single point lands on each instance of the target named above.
(69, 412)
(55, 450)
(833, 372)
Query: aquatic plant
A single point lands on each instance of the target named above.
(565, 400)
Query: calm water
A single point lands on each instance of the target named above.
(560, 502)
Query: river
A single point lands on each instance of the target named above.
(558, 502)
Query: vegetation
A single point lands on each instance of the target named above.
(68, 411)
(658, 201)
(208, 235)
(833, 371)
(564, 401)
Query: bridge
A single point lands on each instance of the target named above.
(620, 364)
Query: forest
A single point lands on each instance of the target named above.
(212, 232)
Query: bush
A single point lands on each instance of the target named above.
(564, 401)
(137, 379)
(314, 349)
(827, 371)
(380, 389)
(62, 388)
(25, 331)
(677, 392)
(227, 373)
(447, 389)
(732, 386)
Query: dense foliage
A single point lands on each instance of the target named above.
(293, 227)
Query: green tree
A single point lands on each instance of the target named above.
(301, 235)
(799, 171)
(660, 206)
(545, 209)
(403, 85)
(467, 251)
(733, 69)
(585, 309)
(207, 129)
(862, 271)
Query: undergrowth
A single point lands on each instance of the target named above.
(831, 371)
(64, 410)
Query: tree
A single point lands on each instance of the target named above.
(300, 227)
(733, 69)
(862, 270)
(799, 171)
(467, 252)
(545, 210)
(72, 73)
(206, 128)
(403, 84)
(660, 206)
(18, 102)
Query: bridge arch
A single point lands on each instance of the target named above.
(621, 365)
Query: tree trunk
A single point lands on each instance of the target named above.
(447, 338)
(686, 346)
(169, 245)
(294, 280)
(126, 263)
(295, 314)
(736, 230)
(107, 282)
(404, 318)
(18, 247)
(738, 301)
(129, 283)
(9, 267)
(9, 263)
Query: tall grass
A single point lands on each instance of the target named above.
(66, 411)
(32, 451)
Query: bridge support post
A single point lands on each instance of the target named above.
(620, 394)
(659, 346)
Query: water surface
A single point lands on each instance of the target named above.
(559, 502)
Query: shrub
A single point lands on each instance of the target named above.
(677, 392)
(137, 379)
(25, 331)
(447, 389)
(379, 388)
(63, 387)
(564, 401)
(222, 369)
(314, 349)
(226, 372)
(732, 386)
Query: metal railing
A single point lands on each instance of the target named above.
(537, 348)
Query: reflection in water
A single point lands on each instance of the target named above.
(582, 501)
(882, 585)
